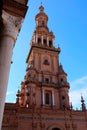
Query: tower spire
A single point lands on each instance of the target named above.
(41, 3)
(83, 104)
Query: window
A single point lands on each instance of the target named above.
(63, 97)
(27, 94)
(29, 75)
(39, 40)
(61, 80)
(47, 98)
(46, 62)
(45, 42)
(47, 80)
(42, 22)
(50, 43)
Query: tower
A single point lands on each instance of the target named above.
(12, 13)
(45, 83)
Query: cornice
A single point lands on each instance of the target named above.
(55, 50)
(15, 8)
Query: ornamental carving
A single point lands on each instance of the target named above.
(12, 25)
(12, 20)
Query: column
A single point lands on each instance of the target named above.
(53, 97)
(8, 37)
(53, 41)
(48, 41)
(36, 38)
(43, 96)
(42, 39)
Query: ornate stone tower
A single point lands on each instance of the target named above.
(12, 13)
(45, 83)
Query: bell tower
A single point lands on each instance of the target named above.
(45, 83)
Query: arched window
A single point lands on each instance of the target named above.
(46, 62)
(47, 98)
(45, 42)
(50, 43)
(47, 80)
(39, 40)
(63, 97)
(61, 79)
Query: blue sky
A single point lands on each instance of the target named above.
(68, 21)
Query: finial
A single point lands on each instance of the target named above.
(83, 104)
(41, 8)
(82, 100)
(41, 3)
(59, 50)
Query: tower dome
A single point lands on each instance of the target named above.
(42, 36)
(41, 18)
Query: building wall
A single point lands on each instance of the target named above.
(16, 118)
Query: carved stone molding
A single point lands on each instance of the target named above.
(12, 20)
(15, 7)
(11, 25)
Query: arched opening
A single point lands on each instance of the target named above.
(55, 129)
(61, 80)
(45, 42)
(46, 62)
(50, 43)
(39, 40)
(47, 98)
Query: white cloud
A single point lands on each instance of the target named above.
(78, 88)
(79, 82)
(11, 96)
(10, 93)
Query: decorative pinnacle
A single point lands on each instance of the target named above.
(59, 50)
(82, 100)
(41, 3)
(41, 8)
